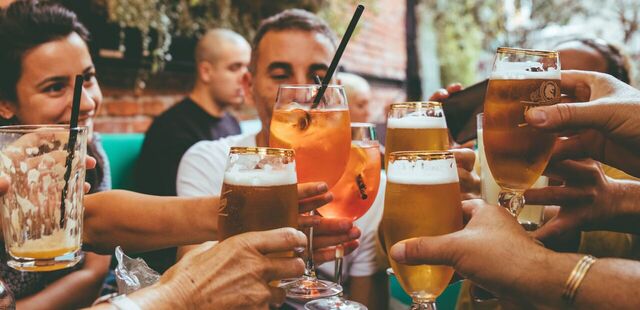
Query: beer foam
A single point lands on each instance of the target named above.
(422, 172)
(417, 121)
(262, 177)
(521, 70)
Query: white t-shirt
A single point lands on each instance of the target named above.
(201, 171)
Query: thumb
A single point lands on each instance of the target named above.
(568, 116)
(436, 250)
(555, 228)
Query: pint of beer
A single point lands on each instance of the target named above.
(422, 198)
(416, 126)
(259, 191)
(517, 153)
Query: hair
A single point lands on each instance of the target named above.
(618, 63)
(291, 19)
(24, 25)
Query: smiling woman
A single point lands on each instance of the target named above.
(43, 49)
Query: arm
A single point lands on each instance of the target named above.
(508, 269)
(141, 223)
(77, 289)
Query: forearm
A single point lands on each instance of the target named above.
(609, 284)
(142, 223)
(75, 290)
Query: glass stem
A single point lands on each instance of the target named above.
(512, 201)
(339, 261)
(310, 271)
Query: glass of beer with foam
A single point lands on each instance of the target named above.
(320, 135)
(259, 191)
(416, 126)
(42, 211)
(517, 153)
(422, 198)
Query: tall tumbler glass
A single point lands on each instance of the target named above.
(42, 229)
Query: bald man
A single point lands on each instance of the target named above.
(358, 95)
(221, 60)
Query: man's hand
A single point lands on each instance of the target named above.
(469, 180)
(327, 232)
(444, 93)
(235, 273)
(588, 200)
(490, 250)
(603, 123)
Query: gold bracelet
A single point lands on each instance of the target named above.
(576, 277)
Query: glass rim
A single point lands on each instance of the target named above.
(362, 125)
(531, 52)
(39, 127)
(242, 150)
(303, 86)
(415, 104)
(420, 155)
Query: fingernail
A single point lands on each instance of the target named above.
(322, 187)
(537, 116)
(397, 252)
(354, 234)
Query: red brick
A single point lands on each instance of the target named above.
(153, 107)
(123, 107)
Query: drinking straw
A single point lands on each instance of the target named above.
(338, 55)
(71, 145)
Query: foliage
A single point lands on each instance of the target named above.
(169, 18)
(468, 28)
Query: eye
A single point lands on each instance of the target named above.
(89, 77)
(55, 88)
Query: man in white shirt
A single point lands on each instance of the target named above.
(289, 48)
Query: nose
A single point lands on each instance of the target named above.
(302, 79)
(87, 104)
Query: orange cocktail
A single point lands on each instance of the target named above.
(356, 190)
(320, 135)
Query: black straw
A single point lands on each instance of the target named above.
(71, 145)
(338, 55)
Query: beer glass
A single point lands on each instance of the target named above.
(416, 126)
(517, 153)
(259, 191)
(42, 227)
(531, 215)
(422, 198)
(353, 195)
(320, 135)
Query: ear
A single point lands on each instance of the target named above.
(204, 71)
(247, 86)
(7, 109)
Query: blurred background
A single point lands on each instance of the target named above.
(406, 49)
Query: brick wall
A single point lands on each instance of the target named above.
(377, 52)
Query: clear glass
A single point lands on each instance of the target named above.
(353, 195)
(531, 215)
(259, 191)
(517, 153)
(41, 213)
(422, 198)
(416, 126)
(320, 136)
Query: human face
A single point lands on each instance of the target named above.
(287, 57)
(45, 88)
(359, 105)
(577, 56)
(225, 79)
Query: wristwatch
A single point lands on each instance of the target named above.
(123, 302)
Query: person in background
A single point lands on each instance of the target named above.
(221, 58)
(358, 95)
(44, 47)
(276, 59)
